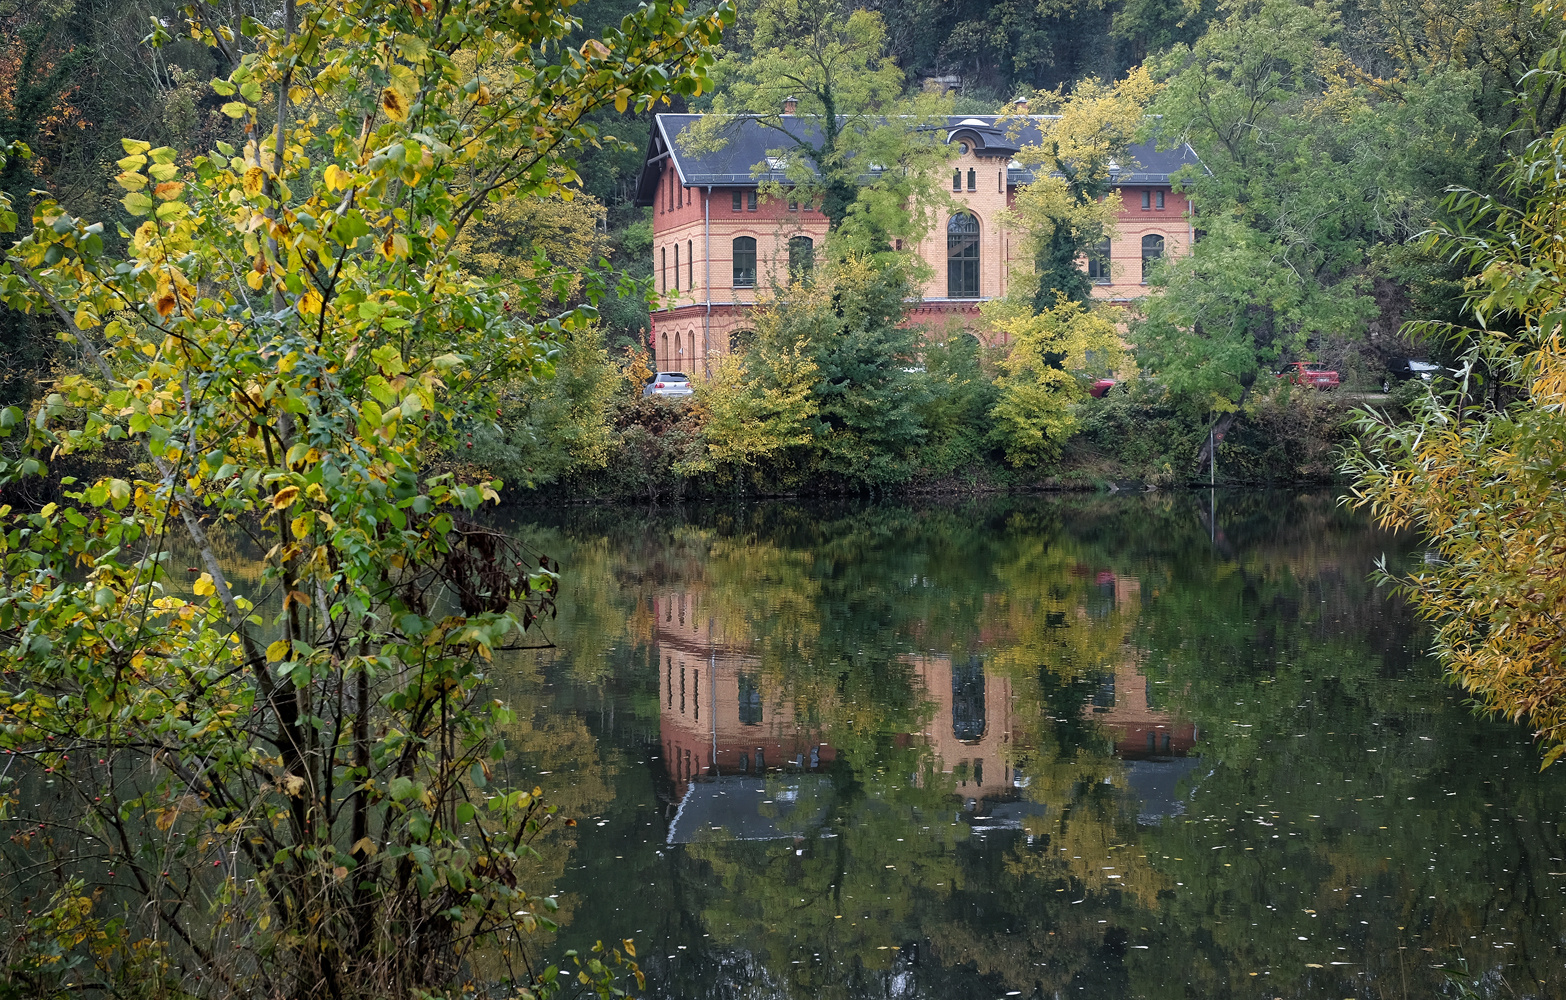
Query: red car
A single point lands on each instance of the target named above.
(1307, 373)
(1103, 385)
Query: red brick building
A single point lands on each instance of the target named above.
(717, 245)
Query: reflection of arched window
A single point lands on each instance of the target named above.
(744, 262)
(801, 258)
(749, 701)
(962, 257)
(968, 701)
(1098, 263)
(1152, 249)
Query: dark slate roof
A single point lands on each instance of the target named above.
(748, 142)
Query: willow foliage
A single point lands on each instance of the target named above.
(1480, 470)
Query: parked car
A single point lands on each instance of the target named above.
(1309, 373)
(1408, 369)
(1099, 388)
(668, 384)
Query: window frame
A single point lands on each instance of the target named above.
(1160, 248)
(1100, 263)
(737, 253)
(963, 274)
(797, 252)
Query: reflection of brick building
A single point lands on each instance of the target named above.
(717, 715)
(1124, 707)
(970, 728)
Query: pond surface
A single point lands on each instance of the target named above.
(1115, 746)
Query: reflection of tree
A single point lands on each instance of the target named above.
(1258, 628)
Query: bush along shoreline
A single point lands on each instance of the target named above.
(877, 412)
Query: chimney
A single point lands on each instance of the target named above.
(789, 104)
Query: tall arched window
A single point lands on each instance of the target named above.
(962, 257)
(744, 262)
(801, 258)
(1152, 249)
(663, 361)
(676, 267)
(968, 722)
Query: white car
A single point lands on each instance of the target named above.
(668, 384)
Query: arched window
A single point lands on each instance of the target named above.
(676, 267)
(664, 357)
(968, 722)
(801, 258)
(744, 262)
(973, 179)
(1152, 249)
(1098, 263)
(663, 267)
(962, 257)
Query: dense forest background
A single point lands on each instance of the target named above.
(1333, 134)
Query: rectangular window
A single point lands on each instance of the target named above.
(1160, 201)
(1098, 263)
(973, 179)
(793, 206)
(690, 265)
(680, 196)
(663, 267)
(807, 207)
(750, 201)
(736, 206)
(956, 180)
(1147, 199)
(744, 254)
(676, 267)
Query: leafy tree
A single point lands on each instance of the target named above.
(1048, 355)
(547, 428)
(960, 394)
(1071, 206)
(1303, 173)
(285, 343)
(757, 405)
(516, 233)
(1483, 482)
(858, 146)
(850, 318)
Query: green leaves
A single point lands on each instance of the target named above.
(261, 354)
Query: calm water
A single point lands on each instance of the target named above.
(1105, 747)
